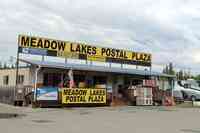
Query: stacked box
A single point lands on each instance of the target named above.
(144, 101)
(144, 96)
(144, 92)
(132, 94)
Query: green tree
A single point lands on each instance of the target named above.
(197, 77)
(5, 65)
(180, 75)
(171, 69)
(167, 69)
(186, 75)
(164, 70)
(12, 66)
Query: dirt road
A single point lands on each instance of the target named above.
(101, 120)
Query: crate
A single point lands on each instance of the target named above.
(144, 92)
(132, 93)
(144, 101)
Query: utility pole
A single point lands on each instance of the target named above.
(17, 73)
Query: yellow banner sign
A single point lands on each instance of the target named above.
(81, 51)
(83, 96)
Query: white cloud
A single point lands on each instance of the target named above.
(169, 29)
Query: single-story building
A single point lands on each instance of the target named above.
(54, 74)
(69, 83)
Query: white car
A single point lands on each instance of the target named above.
(189, 91)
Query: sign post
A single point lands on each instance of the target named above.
(35, 84)
(17, 73)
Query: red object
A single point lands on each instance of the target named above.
(149, 83)
(168, 101)
(71, 83)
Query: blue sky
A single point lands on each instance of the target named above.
(169, 29)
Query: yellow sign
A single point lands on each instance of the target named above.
(83, 96)
(42, 43)
(81, 51)
(96, 58)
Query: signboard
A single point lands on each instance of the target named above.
(83, 96)
(66, 49)
(47, 93)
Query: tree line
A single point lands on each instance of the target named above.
(5, 65)
(181, 74)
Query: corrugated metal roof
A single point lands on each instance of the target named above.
(88, 67)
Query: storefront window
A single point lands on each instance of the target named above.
(20, 79)
(79, 79)
(52, 79)
(100, 80)
(6, 80)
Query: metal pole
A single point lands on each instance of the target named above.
(109, 65)
(65, 61)
(172, 86)
(35, 85)
(42, 58)
(150, 72)
(17, 73)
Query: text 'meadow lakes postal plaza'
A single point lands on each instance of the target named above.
(85, 75)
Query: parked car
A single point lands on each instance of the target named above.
(189, 91)
(191, 94)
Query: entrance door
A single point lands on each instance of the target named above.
(52, 79)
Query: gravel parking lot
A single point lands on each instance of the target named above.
(100, 120)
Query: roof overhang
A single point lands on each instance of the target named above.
(88, 67)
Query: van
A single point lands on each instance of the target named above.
(189, 91)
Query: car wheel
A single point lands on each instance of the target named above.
(193, 98)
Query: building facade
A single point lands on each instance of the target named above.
(8, 77)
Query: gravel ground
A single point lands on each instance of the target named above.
(101, 120)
